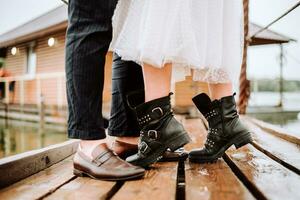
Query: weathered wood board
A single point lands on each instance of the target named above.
(18, 167)
(83, 188)
(40, 184)
(159, 184)
(281, 150)
(269, 177)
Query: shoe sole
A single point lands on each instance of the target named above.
(238, 142)
(180, 156)
(173, 144)
(80, 173)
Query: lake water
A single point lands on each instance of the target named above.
(19, 137)
(291, 102)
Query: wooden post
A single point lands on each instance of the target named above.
(6, 102)
(6, 114)
(6, 91)
(22, 98)
(42, 113)
(7, 142)
(244, 82)
(40, 103)
(280, 104)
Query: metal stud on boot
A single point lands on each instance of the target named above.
(159, 131)
(225, 128)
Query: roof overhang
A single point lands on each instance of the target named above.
(266, 37)
(53, 21)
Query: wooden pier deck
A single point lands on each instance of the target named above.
(269, 168)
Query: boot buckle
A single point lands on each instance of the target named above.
(143, 147)
(158, 108)
(152, 133)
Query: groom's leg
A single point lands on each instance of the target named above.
(88, 37)
(127, 77)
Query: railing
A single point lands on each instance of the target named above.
(59, 76)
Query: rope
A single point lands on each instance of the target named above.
(277, 19)
(244, 82)
(65, 1)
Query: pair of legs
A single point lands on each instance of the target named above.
(162, 81)
(127, 76)
(88, 37)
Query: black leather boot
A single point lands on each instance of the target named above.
(225, 128)
(159, 131)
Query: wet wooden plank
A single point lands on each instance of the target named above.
(276, 131)
(284, 152)
(40, 184)
(159, 184)
(83, 188)
(213, 181)
(210, 181)
(267, 178)
(18, 167)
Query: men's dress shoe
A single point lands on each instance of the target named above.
(225, 128)
(105, 166)
(159, 131)
(131, 149)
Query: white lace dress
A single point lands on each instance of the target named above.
(204, 35)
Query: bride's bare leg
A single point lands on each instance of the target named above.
(155, 118)
(217, 91)
(157, 81)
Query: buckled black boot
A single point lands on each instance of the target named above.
(159, 131)
(225, 128)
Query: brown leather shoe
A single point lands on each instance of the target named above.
(105, 166)
(124, 150)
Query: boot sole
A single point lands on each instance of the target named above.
(173, 144)
(237, 141)
(80, 173)
(180, 157)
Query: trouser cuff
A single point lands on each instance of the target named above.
(87, 135)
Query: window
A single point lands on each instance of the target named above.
(31, 59)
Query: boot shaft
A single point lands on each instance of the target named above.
(221, 113)
(150, 112)
(225, 106)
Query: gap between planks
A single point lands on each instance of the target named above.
(278, 149)
(264, 177)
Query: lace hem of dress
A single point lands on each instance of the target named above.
(181, 68)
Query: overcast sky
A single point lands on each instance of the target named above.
(263, 61)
